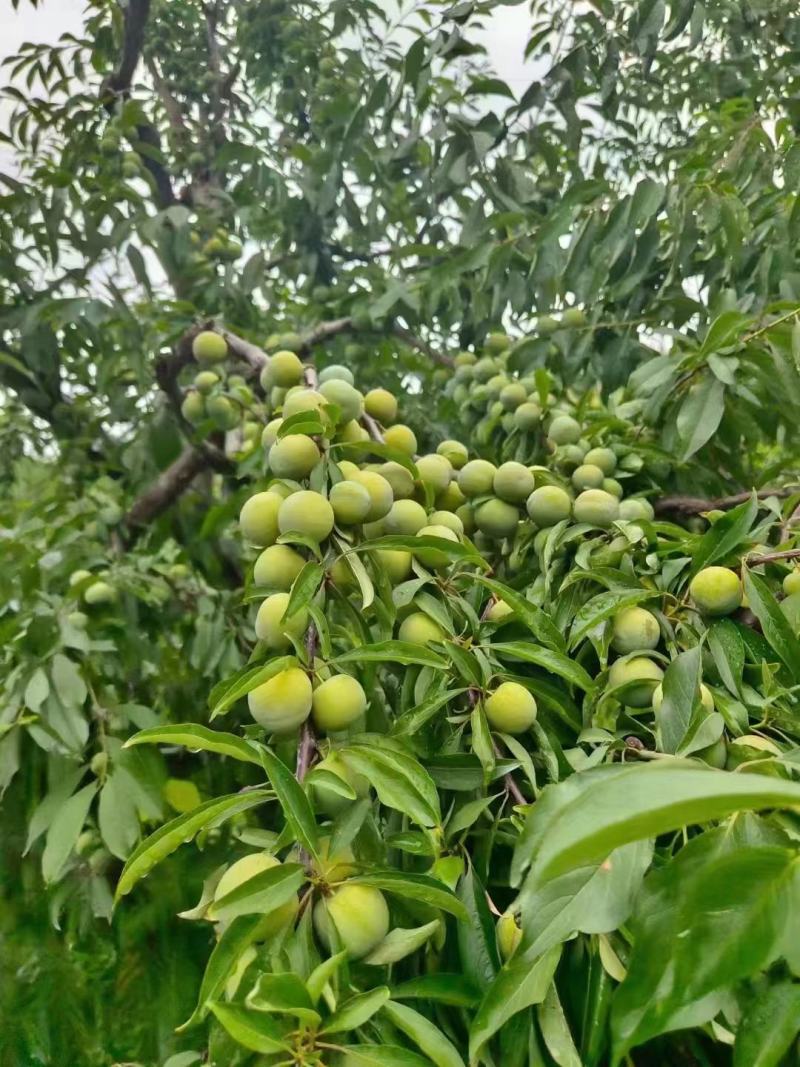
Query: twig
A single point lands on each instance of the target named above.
(308, 744)
(323, 332)
(402, 334)
(771, 557)
(372, 428)
(694, 505)
(168, 101)
(164, 491)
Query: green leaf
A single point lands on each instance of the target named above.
(322, 974)
(168, 838)
(681, 691)
(383, 1056)
(225, 694)
(400, 781)
(251, 1029)
(518, 986)
(727, 648)
(403, 652)
(549, 660)
(304, 587)
(537, 621)
(64, 831)
(198, 738)
(415, 718)
(356, 1011)
(727, 534)
(602, 607)
(117, 818)
(723, 331)
(400, 943)
(424, 1034)
(700, 414)
(406, 543)
(453, 989)
(768, 1027)
(284, 993)
(360, 574)
(555, 1030)
(419, 887)
(293, 801)
(262, 893)
(226, 954)
(618, 805)
(774, 623)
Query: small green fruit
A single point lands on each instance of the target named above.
(510, 708)
(476, 478)
(435, 558)
(420, 629)
(636, 509)
(587, 476)
(271, 627)
(380, 404)
(345, 397)
(634, 629)
(351, 502)
(307, 513)
(326, 799)
(293, 456)
(455, 452)
(596, 507)
(193, 407)
(360, 915)
(380, 493)
(100, 593)
(336, 372)
(401, 438)
(548, 505)
(209, 347)
(497, 519)
(513, 482)
(435, 471)
(716, 591)
(337, 703)
(277, 567)
(405, 517)
(643, 672)
(284, 369)
(564, 430)
(283, 703)
(258, 519)
(508, 935)
(395, 562)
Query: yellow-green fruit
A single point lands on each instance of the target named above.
(342, 575)
(380, 492)
(434, 557)
(715, 755)
(639, 670)
(465, 359)
(346, 398)
(269, 434)
(448, 519)
(400, 479)
(634, 629)
(497, 342)
(405, 517)
(455, 452)
(604, 458)
(476, 478)
(272, 629)
(336, 371)
(636, 509)
(79, 576)
(513, 482)
(337, 703)
(347, 469)
(78, 620)
(510, 708)
(277, 567)
(350, 502)
(283, 703)
(307, 513)
(499, 610)
(512, 395)
(181, 794)
(419, 629)
(706, 699)
(380, 404)
(596, 507)
(209, 347)
(193, 407)
(284, 488)
(242, 871)
(467, 515)
(497, 519)
(548, 505)
(564, 430)
(326, 799)
(495, 386)
(205, 381)
(573, 317)
(401, 438)
(508, 935)
(527, 415)
(716, 591)
(302, 400)
(435, 471)
(790, 606)
(285, 369)
(100, 593)
(791, 583)
(294, 456)
(336, 867)
(395, 563)
(587, 476)
(485, 369)
(258, 519)
(360, 916)
(223, 412)
(612, 486)
(352, 432)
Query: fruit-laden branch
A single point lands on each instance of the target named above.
(680, 506)
(326, 330)
(164, 491)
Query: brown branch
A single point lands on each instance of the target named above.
(171, 107)
(308, 744)
(372, 428)
(680, 506)
(166, 489)
(136, 15)
(771, 557)
(325, 330)
(413, 341)
(244, 350)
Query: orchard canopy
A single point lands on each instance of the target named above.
(400, 535)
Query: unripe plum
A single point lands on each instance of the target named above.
(258, 519)
(510, 708)
(350, 501)
(402, 438)
(498, 611)
(285, 368)
(634, 629)
(223, 412)
(497, 342)
(209, 347)
(360, 915)
(604, 458)
(242, 871)
(269, 435)
(508, 935)
(100, 593)
(587, 476)
(527, 415)
(548, 505)
(485, 369)
(336, 372)
(435, 471)
(79, 576)
(193, 407)
(78, 619)
(327, 800)
(307, 513)
(277, 567)
(706, 699)
(420, 629)
(434, 557)
(345, 396)
(272, 629)
(294, 456)
(546, 325)
(455, 452)
(636, 509)
(512, 395)
(380, 404)
(380, 492)
(448, 519)
(573, 317)
(283, 702)
(513, 482)
(302, 400)
(395, 563)
(497, 519)
(405, 517)
(476, 478)
(791, 583)
(353, 432)
(715, 755)
(596, 507)
(612, 486)
(564, 430)
(337, 703)
(640, 670)
(716, 590)
(400, 479)
(205, 381)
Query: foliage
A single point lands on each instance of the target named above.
(358, 186)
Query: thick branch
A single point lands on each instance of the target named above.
(136, 15)
(166, 489)
(169, 103)
(325, 330)
(683, 506)
(421, 346)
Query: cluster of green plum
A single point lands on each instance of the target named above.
(217, 400)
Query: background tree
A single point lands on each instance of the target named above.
(357, 185)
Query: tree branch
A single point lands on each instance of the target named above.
(166, 489)
(325, 330)
(136, 15)
(169, 103)
(684, 506)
